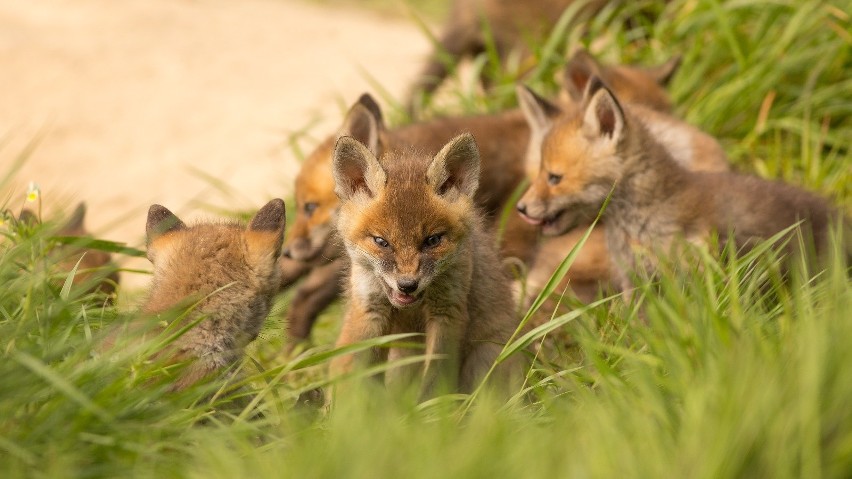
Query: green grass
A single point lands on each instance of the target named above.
(717, 369)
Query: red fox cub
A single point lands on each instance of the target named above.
(312, 250)
(95, 271)
(688, 146)
(510, 24)
(655, 199)
(231, 270)
(421, 262)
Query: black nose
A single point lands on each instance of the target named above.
(286, 252)
(522, 208)
(407, 286)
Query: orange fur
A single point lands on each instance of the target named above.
(421, 262)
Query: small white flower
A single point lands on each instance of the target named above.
(33, 191)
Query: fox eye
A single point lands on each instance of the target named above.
(309, 208)
(432, 240)
(553, 179)
(381, 241)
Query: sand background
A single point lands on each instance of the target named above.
(130, 99)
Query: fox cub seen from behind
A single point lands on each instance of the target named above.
(655, 199)
(421, 262)
(231, 270)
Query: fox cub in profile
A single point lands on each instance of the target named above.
(421, 262)
(655, 199)
(232, 271)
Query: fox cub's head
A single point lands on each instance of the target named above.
(405, 219)
(316, 204)
(200, 259)
(581, 158)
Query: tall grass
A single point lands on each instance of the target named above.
(720, 367)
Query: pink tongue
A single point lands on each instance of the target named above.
(531, 221)
(403, 298)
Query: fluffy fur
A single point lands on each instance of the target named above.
(422, 262)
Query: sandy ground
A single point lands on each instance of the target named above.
(130, 97)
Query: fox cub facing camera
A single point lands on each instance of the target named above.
(422, 263)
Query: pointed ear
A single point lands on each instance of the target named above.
(455, 169)
(364, 123)
(265, 231)
(76, 222)
(603, 116)
(28, 217)
(372, 105)
(578, 71)
(356, 170)
(662, 74)
(160, 222)
(538, 111)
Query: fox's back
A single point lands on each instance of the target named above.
(502, 145)
(754, 208)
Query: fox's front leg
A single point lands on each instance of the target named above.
(443, 352)
(321, 288)
(358, 325)
(291, 271)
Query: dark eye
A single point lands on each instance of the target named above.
(432, 240)
(381, 241)
(309, 208)
(553, 179)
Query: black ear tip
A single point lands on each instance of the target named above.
(595, 84)
(161, 220)
(271, 217)
(581, 55)
(371, 104)
(157, 212)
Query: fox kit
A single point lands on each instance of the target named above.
(511, 26)
(687, 145)
(421, 261)
(95, 271)
(607, 146)
(232, 270)
(313, 251)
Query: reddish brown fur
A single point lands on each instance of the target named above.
(504, 140)
(229, 269)
(461, 299)
(644, 86)
(656, 199)
(95, 271)
(513, 26)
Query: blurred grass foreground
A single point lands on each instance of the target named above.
(721, 369)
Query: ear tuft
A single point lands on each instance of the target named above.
(356, 169)
(578, 71)
(456, 167)
(160, 222)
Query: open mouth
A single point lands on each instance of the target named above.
(400, 299)
(546, 222)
